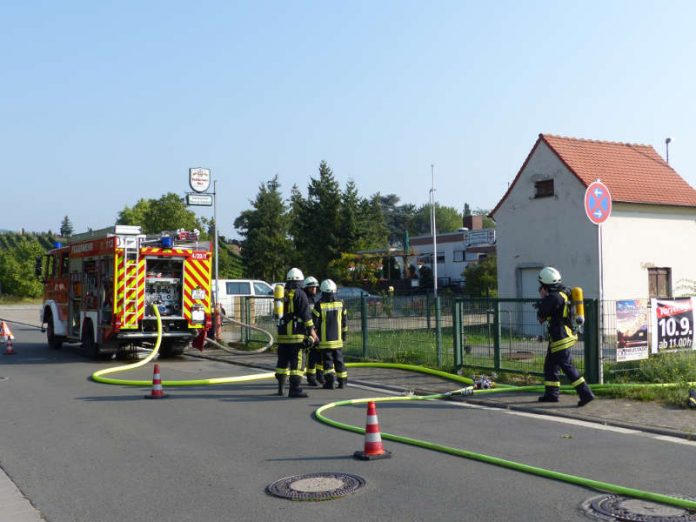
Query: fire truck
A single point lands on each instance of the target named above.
(100, 289)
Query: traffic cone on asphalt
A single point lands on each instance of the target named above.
(373, 440)
(7, 338)
(157, 391)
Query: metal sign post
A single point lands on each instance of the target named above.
(199, 181)
(598, 209)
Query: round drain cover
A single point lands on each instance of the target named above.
(316, 486)
(615, 507)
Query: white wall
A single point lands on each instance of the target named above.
(552, 231)
(638, 237)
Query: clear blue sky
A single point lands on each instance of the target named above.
(103, 103)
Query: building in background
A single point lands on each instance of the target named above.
(648, 244)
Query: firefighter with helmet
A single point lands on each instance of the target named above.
(554, 309)
(315, 368)
(332, 324)
(295, 329)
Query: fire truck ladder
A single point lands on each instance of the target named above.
(131, 258)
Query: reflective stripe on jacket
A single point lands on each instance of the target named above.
(331, 320)
(297, 321)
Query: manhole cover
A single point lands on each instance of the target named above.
(316, 486)
(615, 507)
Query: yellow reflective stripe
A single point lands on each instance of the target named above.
(553, 384)
(281, 371)
(562, 344)
(299, 373)
(580, 381)
(330, 372)
(335, 305)
(290, 339)
(309, 323)
(330, 344)
(342, 374)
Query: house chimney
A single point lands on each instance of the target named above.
(473, 222)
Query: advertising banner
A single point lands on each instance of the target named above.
(631, 330)
(672, 324)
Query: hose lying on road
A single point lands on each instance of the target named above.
(264, 348)
(98, 376)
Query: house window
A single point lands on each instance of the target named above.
(458, 256)
(660, 282)
(543, 188)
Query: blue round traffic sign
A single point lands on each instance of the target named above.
(597, 202)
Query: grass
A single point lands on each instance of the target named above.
(678, 368)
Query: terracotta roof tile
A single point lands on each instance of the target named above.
(633, 173)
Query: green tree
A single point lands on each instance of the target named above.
(266, 246)
(348, 222)
(169, 212)
(66, 228)
(318, 223)
(17, 268)
(372, 224)
(447, 219)
(480, 278)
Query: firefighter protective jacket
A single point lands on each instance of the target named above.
(297, 321)
(331, 322)
(555, 310)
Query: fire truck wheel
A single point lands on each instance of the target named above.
(171, 349)
(88, 343)
(53, 341)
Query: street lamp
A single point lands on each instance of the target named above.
(667, 142)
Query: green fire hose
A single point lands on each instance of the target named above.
(99, 376)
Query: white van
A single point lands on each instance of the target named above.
(234, 293)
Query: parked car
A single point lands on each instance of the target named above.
(353, 292)
(232, 294)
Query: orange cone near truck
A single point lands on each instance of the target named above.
(99, 289)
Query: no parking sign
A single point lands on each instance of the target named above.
(597, 202)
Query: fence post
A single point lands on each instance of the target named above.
(247, 320)
(427, 310)
(363, 323)
(496, 335)
(438, 331)
(457, 333)
(591, 338)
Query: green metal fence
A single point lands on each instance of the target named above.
(490, 334)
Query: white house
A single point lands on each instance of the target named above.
(455, 250)
(646, 248)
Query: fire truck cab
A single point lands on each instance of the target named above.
(99, 290)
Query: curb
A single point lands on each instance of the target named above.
(493, 404)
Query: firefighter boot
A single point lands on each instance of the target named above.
(295, 389)
(585, 397)
(312, 380)
(281, 383)
(342, 382)
(320, 376)
(328, 381)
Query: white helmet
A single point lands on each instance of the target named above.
(310, 282)
(295, 274)
(549, 276)
(328, 286)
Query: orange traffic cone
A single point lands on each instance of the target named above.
(373, 440)
(7, 337)
(157, 391)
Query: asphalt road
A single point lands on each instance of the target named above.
(82, 451)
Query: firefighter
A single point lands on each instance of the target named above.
(315, 368)
(295, 330)
(332, 325)
(554, 309)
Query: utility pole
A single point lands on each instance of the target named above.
(433, 227)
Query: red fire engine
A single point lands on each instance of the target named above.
(99, 290)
